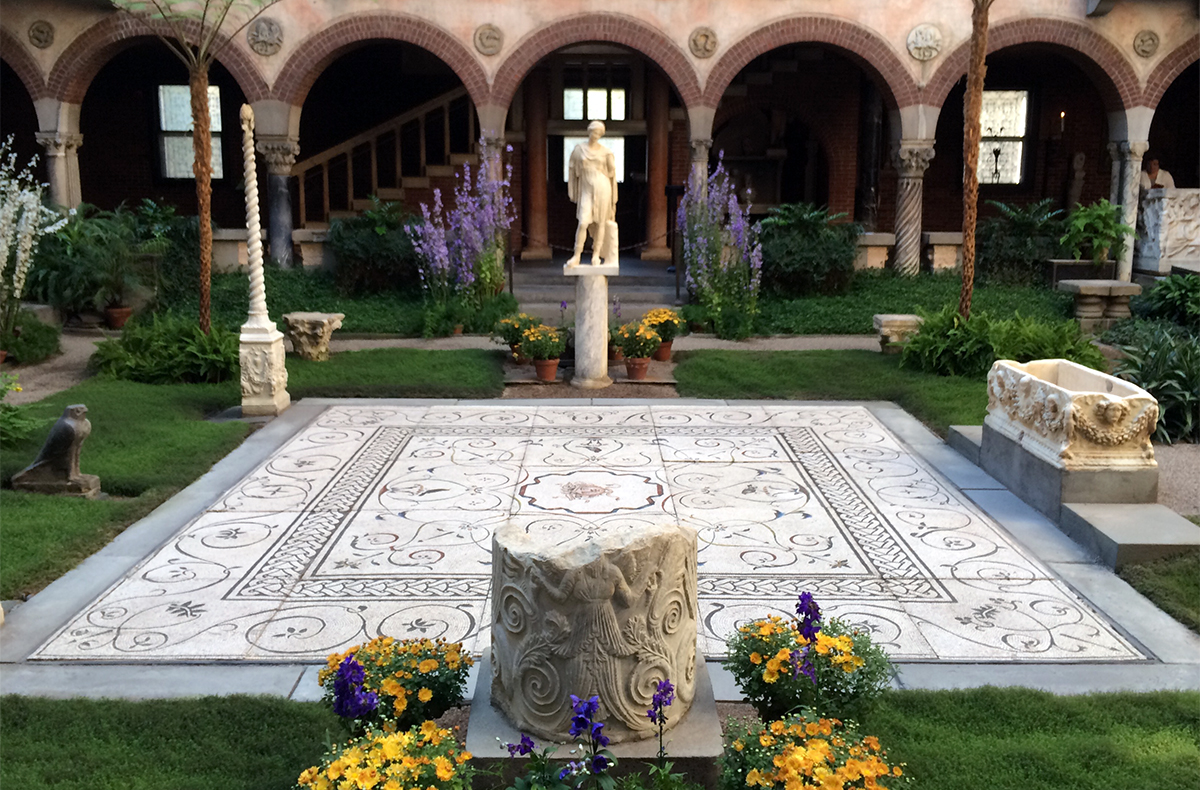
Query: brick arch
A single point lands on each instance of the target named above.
(315, 53)
(1095, 55)
(13, 53)
(865, 48)
(1171, 67)
(82, 60)
(613, 28)
(841, 161)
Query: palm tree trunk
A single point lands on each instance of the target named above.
(972, 109)
(202, 169)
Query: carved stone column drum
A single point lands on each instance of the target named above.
(608, 613)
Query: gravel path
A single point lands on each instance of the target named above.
(55, 374)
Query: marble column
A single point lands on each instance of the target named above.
(537, 113)
(260, 351)
(62, 166)
(591, 324)
(910, 158)
(658, 123)
(1114, 180)
(280, 153)
(700, 151)
(1131, 182)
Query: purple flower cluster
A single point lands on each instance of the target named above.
(808, 616)
(520, 749)
(663, 698)
(584, 725)
(349, 699)
(720, 246)
(461, 249)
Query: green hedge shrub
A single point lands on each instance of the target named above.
(1168, 367)
(1175, 299)
(950, 346)
(33, 342)
(807, 251)
(169, 350)
(374, 252)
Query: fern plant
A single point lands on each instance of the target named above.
(1168, 367)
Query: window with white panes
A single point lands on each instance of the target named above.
(595, 92)
(175, 131)
(1002, 145)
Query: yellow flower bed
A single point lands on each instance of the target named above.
(425, 757)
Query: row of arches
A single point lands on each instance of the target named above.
(1110, 70)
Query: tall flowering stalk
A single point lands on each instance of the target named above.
(23, 221)
(664, 695)
(462, 250)
(722, 254)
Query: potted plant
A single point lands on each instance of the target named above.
(615, 354)
(118, 281)
(1096, 230)
(544, 345)
(638, 343)
(667, 323)
(511, 330)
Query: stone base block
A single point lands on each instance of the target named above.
(693, 743)
(1121, 534)
(264, 375)
(1047, 488)
(591, 384)
(966, 440)
(536, 254)
(83, 486)
(656, 254)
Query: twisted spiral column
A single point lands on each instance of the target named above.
(258, 286)
(910, 158)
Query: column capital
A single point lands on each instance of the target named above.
(58, 143)
(280, 153)
(701, 149)
(912, 157)
(1133, 149)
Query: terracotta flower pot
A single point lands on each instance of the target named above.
(615, 353)
(116, 317)
(458, 329)
(3, 354)
(663, 352)
(546, 369)
(636, 368)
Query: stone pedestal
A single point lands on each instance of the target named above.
(1100, 303)
(264, 375)
(608, 613)
(895, 328)
(56, 468)
(310, 333)
(591, 324)
(944, 250)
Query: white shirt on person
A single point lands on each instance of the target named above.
(1163, 179)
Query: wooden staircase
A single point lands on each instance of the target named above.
(403, 159)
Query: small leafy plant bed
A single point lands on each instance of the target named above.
(851, 313)
(147, 443)
(938, 401)
(399, 373)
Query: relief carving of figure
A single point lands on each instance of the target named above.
(592, 187)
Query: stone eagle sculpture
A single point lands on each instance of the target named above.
(56, 468)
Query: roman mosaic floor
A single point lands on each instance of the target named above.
(378, 520)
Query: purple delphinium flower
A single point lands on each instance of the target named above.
(809, 616)
(349, 699)
(522, 748)
(663, 698)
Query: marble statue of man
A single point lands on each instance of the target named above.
(592, 186)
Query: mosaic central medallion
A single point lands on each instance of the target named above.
(591, 492)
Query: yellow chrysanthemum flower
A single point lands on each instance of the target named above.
(425, 695)
(428, 665)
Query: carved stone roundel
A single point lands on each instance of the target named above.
(41, 34)
(924, 42)
(703, 42)
(265, 36)
(488, 39)
(1145, 43)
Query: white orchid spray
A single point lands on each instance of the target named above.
(23, 220)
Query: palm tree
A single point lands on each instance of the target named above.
(972, 108)
(194, 27)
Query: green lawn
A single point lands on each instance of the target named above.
(1003, 739)
(885, 292)
(1173, 584)
(147, 443)
(150, 441)
(938, 401)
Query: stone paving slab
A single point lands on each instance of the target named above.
(1129, 625)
